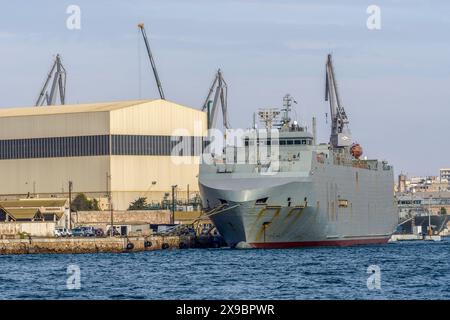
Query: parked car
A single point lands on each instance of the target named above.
(62, 232)
(65, 232)
(115, 232)
(78, 232)
(99, 232)
(58, 232)
(89, 231)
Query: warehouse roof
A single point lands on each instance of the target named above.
(23, 214)
(33, 203)
(28, 209)
(75, 108)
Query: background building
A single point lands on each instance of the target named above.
(424, 184)
(419, 196)
(422, 203)
(33, 217)
(445, 174)
(401, 186)
(118, 148)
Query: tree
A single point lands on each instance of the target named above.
(94, 204)
(443, 210)
(139, 204)
(82, 203)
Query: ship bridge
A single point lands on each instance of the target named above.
(296, 138)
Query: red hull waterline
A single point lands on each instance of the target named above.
(328, 243)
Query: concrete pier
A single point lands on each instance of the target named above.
(414, 237)
(405, 237)
(93, 245)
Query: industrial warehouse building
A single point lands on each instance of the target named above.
(124, 149)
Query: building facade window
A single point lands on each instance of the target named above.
(98, 145)
(156, 145)
(54, 147)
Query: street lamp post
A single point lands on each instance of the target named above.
(187, 197)
(70, 205)
(430, 233)
(108, 188)
(172, 216)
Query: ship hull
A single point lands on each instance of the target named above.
(303, 211)
(327, 243)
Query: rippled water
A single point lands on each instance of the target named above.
(415, 270)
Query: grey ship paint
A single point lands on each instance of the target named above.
(299, 193)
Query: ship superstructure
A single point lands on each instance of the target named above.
(277, 188)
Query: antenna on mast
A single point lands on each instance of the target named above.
(268, 116)
(287, 103)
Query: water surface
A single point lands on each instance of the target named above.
(409, 270)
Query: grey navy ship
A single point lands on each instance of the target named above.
(297, 192)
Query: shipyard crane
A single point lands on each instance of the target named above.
(340, 134)
(152, 61)
(219, 90)
(58, 72)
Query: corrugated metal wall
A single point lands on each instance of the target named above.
(131, 176)
(54, 125)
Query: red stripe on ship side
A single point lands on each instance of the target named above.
(338, 243)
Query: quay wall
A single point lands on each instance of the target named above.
(103, 218)
(92, 245)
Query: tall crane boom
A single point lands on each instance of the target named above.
(152, 61)
(340, 134)
(58, 72)
(220, 89)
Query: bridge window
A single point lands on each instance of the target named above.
(261, 201)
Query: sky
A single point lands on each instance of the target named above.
(394, 82)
